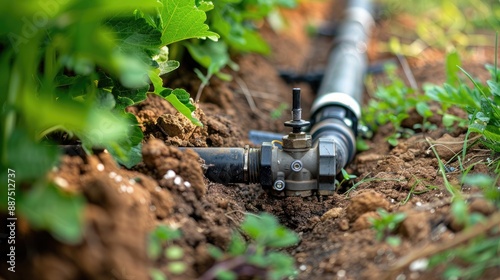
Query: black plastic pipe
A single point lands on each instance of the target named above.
(230, 165)
(335, 111)
(337, 108)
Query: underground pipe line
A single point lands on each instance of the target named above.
(306, 161)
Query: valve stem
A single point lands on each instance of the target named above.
(296, 122)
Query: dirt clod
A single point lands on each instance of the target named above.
(365, 202)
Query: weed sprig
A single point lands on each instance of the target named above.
(259, 257)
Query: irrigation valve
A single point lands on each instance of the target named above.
(307, 163)
(301, 167)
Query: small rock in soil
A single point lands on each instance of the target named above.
(365, 202)
(332, 214)
(363, 222)
(415, 226)
(482, 206)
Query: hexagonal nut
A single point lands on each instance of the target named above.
(327, 157)
(297, 142)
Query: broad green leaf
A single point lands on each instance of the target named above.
(128, 96)
(182, 20)
(183, 105)
(30, 160)
(135, 35)
(136, 41)
(238, 36)
(211, 55)
(127, 150)
(48, 207)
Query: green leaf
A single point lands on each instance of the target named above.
(459, 211)
(157, 274)
(136, 41)
(165, 233)
(28, 158)
(223, 274)
(120, 134)
(211, 55)
(393, 140)
(182, 20)
(47, 207)
(154, 76)
(177, 268)
(215, 252)
(160, 235)
(452, 272)
(128, 96)
(135, 36)
(423, 109)
(283, 265)
(238, 36)
(452, 70)
(174, 252)
(394, 241)
(237, 246)
(205, 5)
(492, 133)
(266, 231)
(183, 105)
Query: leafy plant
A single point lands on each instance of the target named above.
(481, 103)
(258, 258)
(345, 177)
(391, 104)
(49, 207)
(234, 21)
(74, 66)
(470, 260)
(386, 224)
(159, 241)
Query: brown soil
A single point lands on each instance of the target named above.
(168, 187)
